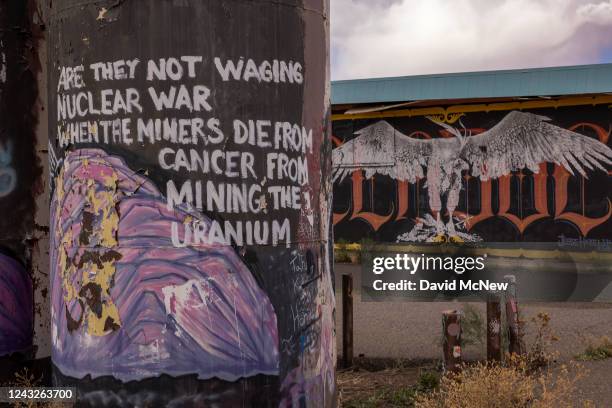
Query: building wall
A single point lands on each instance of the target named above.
(374, 202)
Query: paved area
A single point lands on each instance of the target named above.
(597, 386)
(413, 329)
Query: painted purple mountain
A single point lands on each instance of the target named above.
(127, 303)
(16, 313)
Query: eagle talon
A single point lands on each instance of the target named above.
(450, 228)
(440, 238)
(455, 239)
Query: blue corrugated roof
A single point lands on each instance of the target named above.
(575, 80)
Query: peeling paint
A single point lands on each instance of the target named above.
(102, 14)
(93, 255)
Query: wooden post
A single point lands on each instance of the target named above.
(493, 328)
(451, 326)
(347, 320)
(512, 317)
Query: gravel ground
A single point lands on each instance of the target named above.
(597, 386)
(412, 330)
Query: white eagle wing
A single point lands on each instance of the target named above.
(524, 140)
(380, 149)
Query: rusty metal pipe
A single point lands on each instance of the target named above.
(494, 349)
(512, 317)
(347, 321)
(451, 348)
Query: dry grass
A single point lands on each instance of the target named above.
(539, 353)
(597, 349)
(389, 387)
(513, 384)
(527, 381)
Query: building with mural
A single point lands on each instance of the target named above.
(503, 156)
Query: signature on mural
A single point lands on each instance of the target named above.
(520, 140)
(585, 243)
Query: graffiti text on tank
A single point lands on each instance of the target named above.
(249, 166)
(266, 71)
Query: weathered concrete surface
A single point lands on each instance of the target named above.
(40, 243)
(21, 182)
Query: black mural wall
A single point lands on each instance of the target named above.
(382, 191)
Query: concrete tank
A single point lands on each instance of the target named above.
(190, 208)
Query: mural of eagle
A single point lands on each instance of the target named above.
(520, 140)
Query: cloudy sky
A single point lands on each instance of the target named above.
(376, 38)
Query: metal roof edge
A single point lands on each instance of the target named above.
(549, 81)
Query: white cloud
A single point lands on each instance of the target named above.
(599, 12)
(374, 38)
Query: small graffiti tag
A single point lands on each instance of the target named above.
(8, 175)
